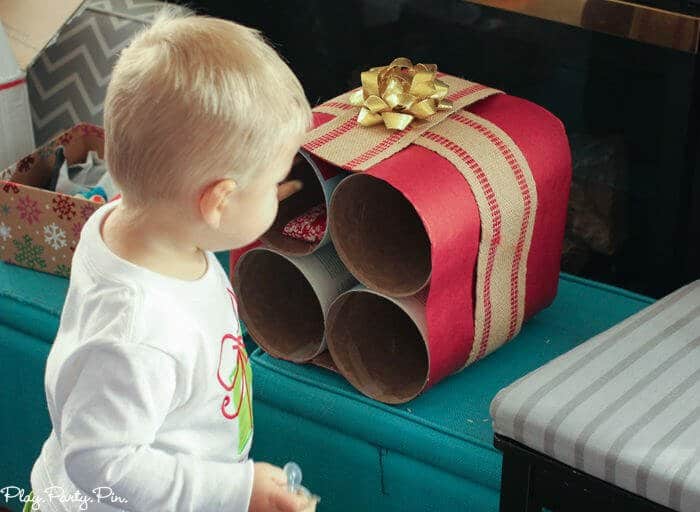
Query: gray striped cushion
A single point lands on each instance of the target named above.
(624, 406)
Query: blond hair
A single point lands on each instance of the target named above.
(195, 98)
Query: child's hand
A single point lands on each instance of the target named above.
(288, 188)
(270, 492)
(311, 507)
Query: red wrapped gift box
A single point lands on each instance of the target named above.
(455, 222)
(470, 208)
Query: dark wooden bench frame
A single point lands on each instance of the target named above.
(531, 481)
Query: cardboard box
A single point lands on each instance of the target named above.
(16, 135)
(31, 25)
(39, 228)
(68, 49)
(26, 27)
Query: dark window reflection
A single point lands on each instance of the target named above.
(630, 110)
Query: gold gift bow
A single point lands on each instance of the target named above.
(398, 93)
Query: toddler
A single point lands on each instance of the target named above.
(148, 382)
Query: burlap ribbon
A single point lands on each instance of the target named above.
(497, 173)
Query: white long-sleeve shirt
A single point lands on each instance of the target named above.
(149, 391)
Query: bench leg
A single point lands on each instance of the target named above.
(517, 485)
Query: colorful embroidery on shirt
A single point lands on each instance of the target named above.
(235, 376)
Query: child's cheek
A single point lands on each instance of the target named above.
(269, 213)
(274, 205)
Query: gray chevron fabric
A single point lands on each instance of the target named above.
(624, 406)
(68, 81)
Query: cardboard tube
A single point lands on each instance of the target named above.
(379, 343)
(379, 236)
(283, 300)
(319, 179)
(324, 360)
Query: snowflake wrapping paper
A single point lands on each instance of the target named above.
(39, 228)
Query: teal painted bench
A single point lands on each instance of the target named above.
(434, 453)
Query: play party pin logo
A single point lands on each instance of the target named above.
(235, 376)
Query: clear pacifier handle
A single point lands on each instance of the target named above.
(294, 476)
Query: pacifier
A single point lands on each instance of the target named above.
(294, 476)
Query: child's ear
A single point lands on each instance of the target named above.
(212, 202)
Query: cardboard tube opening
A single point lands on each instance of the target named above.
(379, 236)
(377, 347)
(279, 306)
(308, 197)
